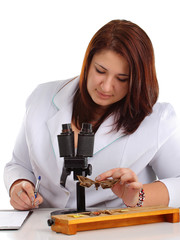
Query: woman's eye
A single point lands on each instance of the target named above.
(122, 80)
(101, 72)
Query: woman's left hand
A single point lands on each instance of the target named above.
(127, 188)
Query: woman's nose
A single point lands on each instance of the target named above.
(107, 84)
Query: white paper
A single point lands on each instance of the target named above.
(12, 219)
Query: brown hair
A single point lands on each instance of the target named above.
(129, 40)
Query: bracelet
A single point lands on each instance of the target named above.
(141, 199)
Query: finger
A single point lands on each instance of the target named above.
(122, 171)
(29, 189)
(17, 203)
(128, 177)
(134, 185)
(17, 206)
(38, 200)
(17, 194)
(24, 202)
(114, 173)
(25, 199)
(106, 174)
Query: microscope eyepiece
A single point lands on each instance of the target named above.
(66, 141)
(86, 128)
(85, 141)
(66, 128)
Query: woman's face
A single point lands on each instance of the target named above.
(108, 78)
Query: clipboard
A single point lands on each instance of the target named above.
(13, 219)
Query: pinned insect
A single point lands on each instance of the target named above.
(97, 213)
(87, 182)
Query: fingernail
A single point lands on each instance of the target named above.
(36, 203)
(98, 178)
(32, 200)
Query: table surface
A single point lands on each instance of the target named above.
(36, 228)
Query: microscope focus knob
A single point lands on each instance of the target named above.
(89, 169)
(50, 222)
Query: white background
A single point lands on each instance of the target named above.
(43, 40)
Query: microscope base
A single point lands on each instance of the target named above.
(71, 210)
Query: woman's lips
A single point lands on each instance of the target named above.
(103, 95)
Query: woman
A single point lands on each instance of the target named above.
(136, 139)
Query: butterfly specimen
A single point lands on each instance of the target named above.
(87, 182)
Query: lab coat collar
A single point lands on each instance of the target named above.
(63, 101)
(105, 136)
(64, 97)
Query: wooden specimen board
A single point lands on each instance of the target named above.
(72, 223)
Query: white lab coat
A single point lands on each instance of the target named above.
(153, 150)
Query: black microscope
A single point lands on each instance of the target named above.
(76, 163)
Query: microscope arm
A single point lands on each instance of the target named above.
(64, 175)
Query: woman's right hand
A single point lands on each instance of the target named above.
(22, 195)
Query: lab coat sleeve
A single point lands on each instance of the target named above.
(166, 162)
(19, 167)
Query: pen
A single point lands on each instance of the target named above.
(37, 186)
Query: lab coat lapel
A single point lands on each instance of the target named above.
(63, 101)
(105, 136)
(55, 127)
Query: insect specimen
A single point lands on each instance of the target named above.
(87, 182)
